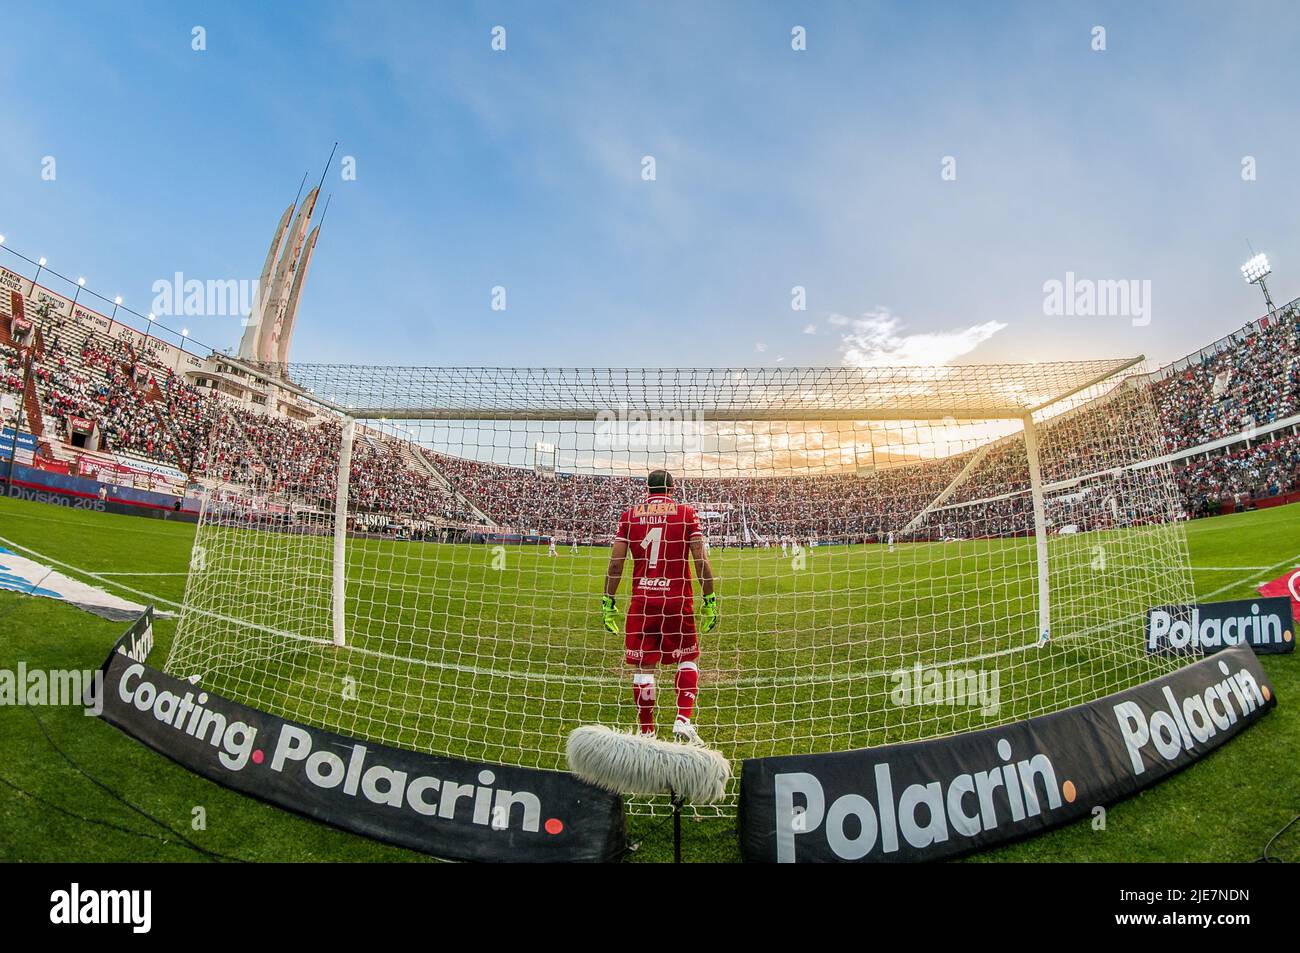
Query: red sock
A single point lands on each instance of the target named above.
(643, 688)
(688, 679)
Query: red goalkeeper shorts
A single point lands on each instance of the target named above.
(661, 630)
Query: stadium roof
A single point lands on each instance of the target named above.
(968, 391)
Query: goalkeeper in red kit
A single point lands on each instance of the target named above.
(660, 532)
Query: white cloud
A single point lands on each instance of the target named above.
(838, 320)
(760, 347)
(874, 339)
(810, 329)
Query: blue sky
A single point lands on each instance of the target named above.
(775, 168)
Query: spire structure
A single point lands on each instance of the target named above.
(275, 308)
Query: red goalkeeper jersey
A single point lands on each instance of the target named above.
(659, 532)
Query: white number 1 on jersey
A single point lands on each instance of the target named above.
(651, 541)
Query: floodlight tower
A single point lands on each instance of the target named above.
(1255, 271)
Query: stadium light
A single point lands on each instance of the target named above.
(117, 303)
(1256, 269)
(40, 263)
(81, 283)
(1254, 272)
(2, 239)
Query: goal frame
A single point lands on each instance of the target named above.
(351, 416)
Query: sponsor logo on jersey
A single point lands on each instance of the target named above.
(657, 506)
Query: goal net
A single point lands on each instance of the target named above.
(419, 560)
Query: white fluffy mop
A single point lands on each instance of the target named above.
(626, 763)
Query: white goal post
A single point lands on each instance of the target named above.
(340, 579)
(1040, 528)
(386, 569)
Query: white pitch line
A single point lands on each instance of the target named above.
(1229, 568)
(143, 573)
(1294, 560)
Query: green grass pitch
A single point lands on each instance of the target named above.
(1223, 808)
(494, 652)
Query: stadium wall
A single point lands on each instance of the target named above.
(61, 489)
(1259, 502)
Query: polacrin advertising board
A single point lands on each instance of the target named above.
(444, 806)
(1265, 624)
(927, 800)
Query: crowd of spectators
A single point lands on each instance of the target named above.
(1253, 381)
(142, 408)
(1238, 477)
(101, 385)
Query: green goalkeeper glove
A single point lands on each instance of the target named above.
(607, 615)
(710, 612)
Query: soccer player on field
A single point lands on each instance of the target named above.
(660, 532)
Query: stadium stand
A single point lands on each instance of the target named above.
(1229, 415)
(1251, 382)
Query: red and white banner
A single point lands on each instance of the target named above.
(123, 471)
(1287, 584)
(157, 351)
(14, 282)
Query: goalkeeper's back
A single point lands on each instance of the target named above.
(658, 531)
